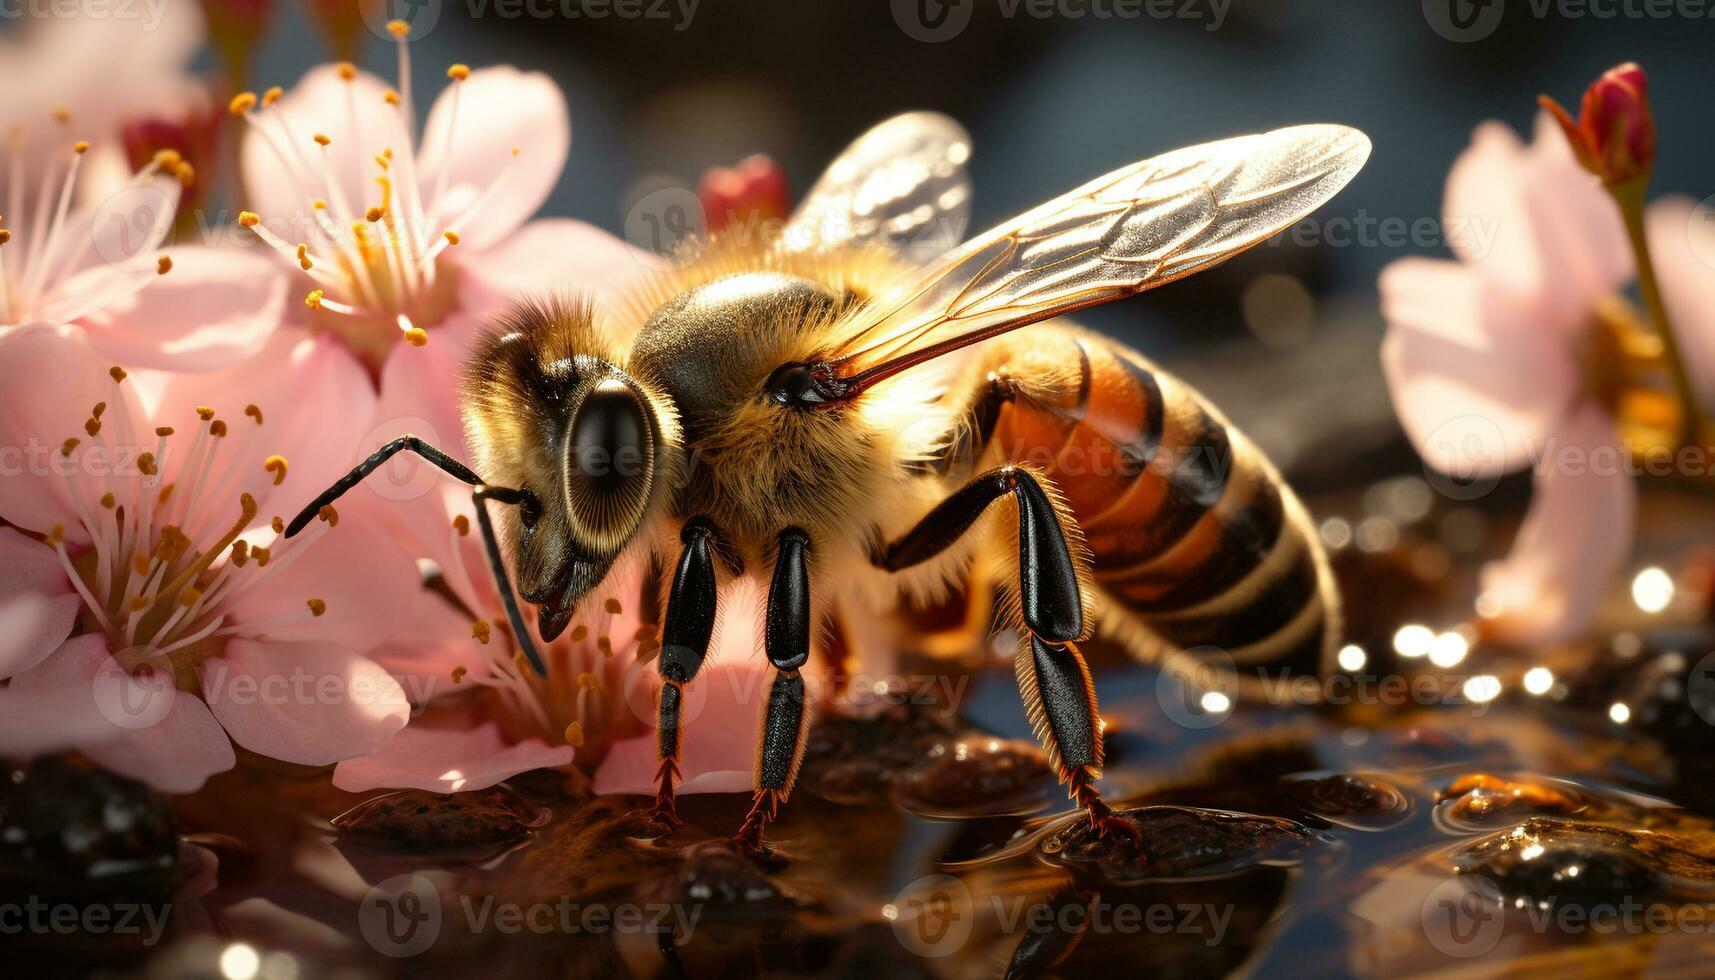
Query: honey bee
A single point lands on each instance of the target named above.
(813, 409)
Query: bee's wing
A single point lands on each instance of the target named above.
(902, 183)
(1136, 228)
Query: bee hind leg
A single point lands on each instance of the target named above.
(786, 641)
(686, 629)
(1059, 696)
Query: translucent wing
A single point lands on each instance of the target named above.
(1134, 229)
(902, 183)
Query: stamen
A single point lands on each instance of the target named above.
(480, 631)
(254, 412)
(575, 735)
(317, 607)
(163, 265)
(277, 466)
(459, 673)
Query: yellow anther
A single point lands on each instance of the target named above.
(452, 237)
(254, 412)
(56, 534)
(374, 214)
(240, 552)
(515, 151)
(62, 114)
(146, 464)
(108, 500)
(163, 431)
(327, 513)
(98, 409)
(190, 595)
(390, 97)
(163, 265)
(398, 29)
(613, 606)
(80, 147)
(277, 524)
(321, 139)
(319, 204)
(575, 735)
(480, 631)
(417, 336)
(605, 645)
(205, 413)
(261, 555)
(141, 565)
(458, 73)
(5, 236)
(168, 159)
(217, 428)
(166, 493)
(590, 682)
(249, 219)
(458, 674)
(304, 256)
(579, 632)
(67, 446)
(314, 299)
(461, 524)
(317, 606)
(92, 426)
(117, 373)
(241, 103)
(139, 603)
(272, 95)
(186, 173)
(347, 71)
(277, 466)
(520, 663)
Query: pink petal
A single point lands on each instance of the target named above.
(50, 380)
(177, 755)
(308, 703)
(557, 256)
(720, 722)
(315, 398)
(1476, 386)
(447, 760)
(359, 123)
(37, 604)
(499, 108)
(50, 708)
(215, 308)
(1682, 243)
(1576, 535)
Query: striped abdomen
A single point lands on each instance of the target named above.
(1194, 536)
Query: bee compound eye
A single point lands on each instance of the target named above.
(609, 447)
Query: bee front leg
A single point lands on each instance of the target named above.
(1059, 696)
(686, 628)
(786, 641)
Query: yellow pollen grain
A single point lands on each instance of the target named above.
(98, 409)
(166, 493)
(240, 553)
(605, 645)
(459, 72)
(92, 426)
(56, 534)
(62, 114)
(261, 555)
(327, 513)
(109, 501)
(189, 595)
(575, 735)
(277, 466)
(479, 631)
(398, 29)
(163, 265)
(458, 674)
(374, 214)
(589, 682)
(613, 606)
(241, 103)
(452, 237)
(304, 256)
(163, 431)
(347, 71)
(5, 236)
(390, 97)
(217, 428)
(146, 464)
(272, 95)
(204, 412)
(579, 632)
(317, 606)
(67, 446)
(80, 147)
(254, 412)
(314, 299)
(461, 524)
(322, 139)
(417, 336)
(277, 524)
(186, 173)
(319, 204)
(249, 219)
(141, 564)
(168, 159)
(139, 603)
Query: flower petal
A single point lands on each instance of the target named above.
(308, 703)
(719, 745)
(215, 308)
(447, 760)
(1682, 243)
(50, 708)
(556, 255)
(498, 110)
(1477, 387)
(37, 603)
(1576, 535)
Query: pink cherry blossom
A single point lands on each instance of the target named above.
(1489, 360)
(149, 614)
(86, 240)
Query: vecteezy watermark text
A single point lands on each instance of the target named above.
(932, 21)
(34, 916)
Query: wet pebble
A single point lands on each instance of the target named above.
(418, 820)
(1178, 842)
(1358, 802)
(978, 777)
(1556, 861)
(1480, 799)
(71, 830)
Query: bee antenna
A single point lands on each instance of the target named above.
(497, 564)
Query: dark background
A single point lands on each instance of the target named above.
(1051, 102)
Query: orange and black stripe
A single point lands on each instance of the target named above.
(1193, 535)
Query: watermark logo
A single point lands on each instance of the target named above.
(401, 916)
(1700, 688)
(134, 701)
(420, 16)
(662, 221)
(1700, 231)
(128, 227)
(932, 21)
(1470, 464)
(1463, 916)
(1199, 689)
(933, 916)
(1464, 21)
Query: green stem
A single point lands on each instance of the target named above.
(1630, 199)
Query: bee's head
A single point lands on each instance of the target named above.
(551, 415)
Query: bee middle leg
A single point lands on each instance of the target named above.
(1059, 695)
(686, 629)
(786, 641)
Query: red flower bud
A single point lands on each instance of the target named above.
(1614, 135)
(744, 196)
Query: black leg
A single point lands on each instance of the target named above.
(452, 466)
(502, 581)
(685, 633)
(786, 641)
(1053, 679)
